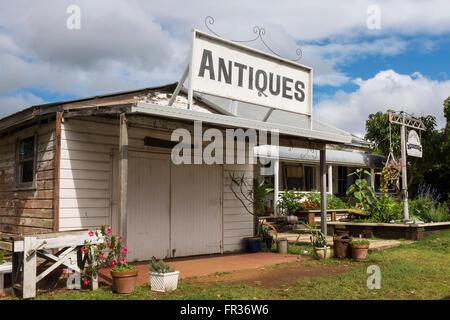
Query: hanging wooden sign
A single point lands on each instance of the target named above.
(413, 146)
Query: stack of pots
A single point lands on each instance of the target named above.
(341, 244)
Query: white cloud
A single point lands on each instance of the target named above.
(15, 103)
(387, 90)
(138, 43)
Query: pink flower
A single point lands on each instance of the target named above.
(86, 281)
(108, 244)
(113, 263)
(122, 261)
(101, 255)
(120, 238)
(91, 233)
(108, 230)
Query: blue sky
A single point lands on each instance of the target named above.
(433, 63)
(126, 45)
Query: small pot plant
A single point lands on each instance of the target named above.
(111, 253)
(319, 243)
(359, 248)
(162, 277)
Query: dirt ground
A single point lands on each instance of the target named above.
(278, 276)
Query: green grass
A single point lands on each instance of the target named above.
(415, 271)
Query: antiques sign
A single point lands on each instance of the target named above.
(226, 69)
(413, 146)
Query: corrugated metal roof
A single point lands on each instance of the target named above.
(231, 121)
(256, 112)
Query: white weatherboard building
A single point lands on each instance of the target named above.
(105, 160)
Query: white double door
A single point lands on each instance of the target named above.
(172, 211)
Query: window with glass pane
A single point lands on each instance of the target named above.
(26, 160)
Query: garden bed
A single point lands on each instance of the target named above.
(389, 230)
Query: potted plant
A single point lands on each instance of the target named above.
(359, 248)
(162, 277)
(319, 243)
(111, 252)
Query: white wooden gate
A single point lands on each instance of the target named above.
(172, 211)
(196, 209)
(148, 206)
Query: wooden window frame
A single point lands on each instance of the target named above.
(31, 185)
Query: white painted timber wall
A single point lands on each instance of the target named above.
(237, 222)
(86, 174)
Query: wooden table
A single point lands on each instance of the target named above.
(4, 268)
(311, 214)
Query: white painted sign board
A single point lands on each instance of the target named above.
(229, 70)
(413, 146)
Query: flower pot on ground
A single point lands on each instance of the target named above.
(319, 243)
(124, 279)
(359, 249)
(252, 244)
(322, 253)
(341, 246)
(111, 253)
(162, 277)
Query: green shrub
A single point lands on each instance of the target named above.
(420, 206)
(333, 202)
(2, 255)
(438, 213)
(386, 209)
(427, 210)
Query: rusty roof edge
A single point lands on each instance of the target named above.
(33, 111)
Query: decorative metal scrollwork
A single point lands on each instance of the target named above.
(259, 31)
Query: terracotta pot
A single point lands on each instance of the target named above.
(322, 253)
(341, 246)
(359, 251)
(124, 282)
(342, 232)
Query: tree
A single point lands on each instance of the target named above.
(433, 167)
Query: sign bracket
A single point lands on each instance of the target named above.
(179, 86)
(404, 120)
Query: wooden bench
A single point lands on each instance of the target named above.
(311, 214)
(4, 268)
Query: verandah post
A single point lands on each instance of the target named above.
(323, 191)
(123, 176)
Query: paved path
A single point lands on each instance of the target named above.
(206, 265)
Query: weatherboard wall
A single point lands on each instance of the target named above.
(28, 210)
(86, 201)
